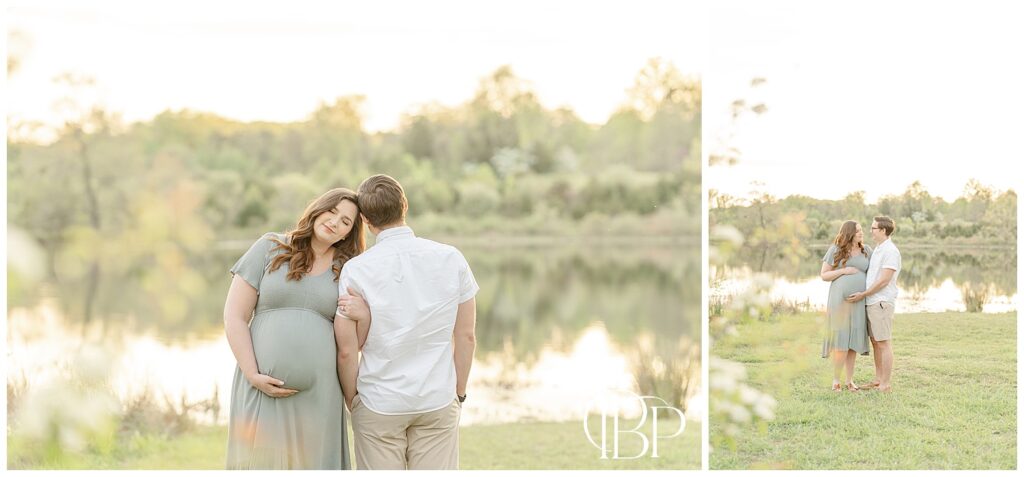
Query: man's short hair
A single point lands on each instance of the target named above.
(885, 223)
(382, 200)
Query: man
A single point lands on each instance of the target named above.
(883, 270)
(405, 395)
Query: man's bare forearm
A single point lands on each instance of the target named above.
(464, 342)
(348, 371)
(464, 350)
(883, 279)
(348, 356)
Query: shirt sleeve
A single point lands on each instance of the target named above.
(345, 281)
(891, 259)
(467, 282)
(253, 263)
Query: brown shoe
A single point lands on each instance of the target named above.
(837, 387)
(852, 387)
(870, 385)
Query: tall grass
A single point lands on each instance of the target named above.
(146, 413)
(671, 374)
(718, 304)
(975, 296)
(121, 428)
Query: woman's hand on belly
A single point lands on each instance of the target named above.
(270, 386)
(856, 277)
(295, 349)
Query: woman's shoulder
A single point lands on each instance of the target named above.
(829, 253)
(270, 241)
(270, 236)
(259, 251)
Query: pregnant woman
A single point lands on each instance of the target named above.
(845, 265)
(287, 410)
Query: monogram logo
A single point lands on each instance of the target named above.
(611, 424)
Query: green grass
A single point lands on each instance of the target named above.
(501, 446)
(953, 406)
(564, 446)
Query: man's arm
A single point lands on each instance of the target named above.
(362, 331)
(883, 279)
(356, 309)
(464, 338)
(348, 357)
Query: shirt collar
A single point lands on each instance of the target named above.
(395, 232)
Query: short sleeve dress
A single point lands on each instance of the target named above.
(847, 322)
(293, 337)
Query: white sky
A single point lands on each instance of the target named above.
(867, 96)
(259, 60)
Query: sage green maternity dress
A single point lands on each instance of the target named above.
(293, 338)
(847, 322)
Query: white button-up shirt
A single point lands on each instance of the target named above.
(886, 255)
(413, 287)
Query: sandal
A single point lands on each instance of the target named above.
(871, 385)
(852, 387)
(837, 387)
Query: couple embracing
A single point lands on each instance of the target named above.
(301, 308)
(861, 301)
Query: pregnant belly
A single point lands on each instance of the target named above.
(851, 283)
(296, 348)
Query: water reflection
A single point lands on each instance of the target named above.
(555, 329)
(554, 386)
(932, 279)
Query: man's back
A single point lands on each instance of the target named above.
(414, 287)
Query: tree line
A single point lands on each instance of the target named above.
(152, 201)
(500, 155)
(980, 215)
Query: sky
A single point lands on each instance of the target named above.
(871, 97)
(256, 60)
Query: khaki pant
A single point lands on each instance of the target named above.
(880, 318)
(425, 441)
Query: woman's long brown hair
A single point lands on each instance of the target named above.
(298, 251)
(844, 243)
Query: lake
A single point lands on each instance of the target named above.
(557, 326)
(933, 278)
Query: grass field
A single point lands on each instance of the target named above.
(953, 406)
(502, 446)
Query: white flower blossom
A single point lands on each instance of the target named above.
(739, 414)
